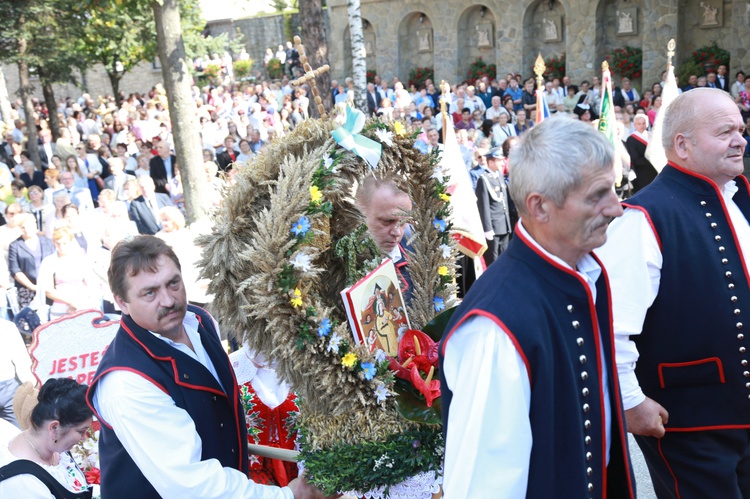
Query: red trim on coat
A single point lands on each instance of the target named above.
(666, 463)
(501, 325)
(709, 428)
(235, 393)
(648, 219)
(707, 360)
(96, 380)
(639, 139)
(174, 367)
(616, 384)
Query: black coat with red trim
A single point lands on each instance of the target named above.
(549, 314)
(693, 351)
(219, 419)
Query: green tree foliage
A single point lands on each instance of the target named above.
(118, 36)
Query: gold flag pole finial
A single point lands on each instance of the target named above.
(670, 52)
(605, 66)
(310, 76)
(539, 69)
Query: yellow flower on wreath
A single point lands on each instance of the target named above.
(442, 270)
(399, 128)
(296, 300)
(349, 359)
(315, 195)
(445, 197)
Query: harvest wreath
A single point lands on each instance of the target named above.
(287, 239)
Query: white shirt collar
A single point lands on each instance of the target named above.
(587, 266)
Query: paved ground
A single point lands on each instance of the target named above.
(643, 481)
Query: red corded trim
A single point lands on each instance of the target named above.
(236, 397)
(96, 380)
(666, 463)
(709, 428)
(616, 383)
(648, 219)
(723, 207)
(501, 325)
(639, 139)
(707, 360)
(172, 361)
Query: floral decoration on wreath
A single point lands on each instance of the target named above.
(286, 241)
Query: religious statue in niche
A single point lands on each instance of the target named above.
(424, 38)
(626, 21)
(484, 35)
(710, 15)
(551, 29)
(370, 45)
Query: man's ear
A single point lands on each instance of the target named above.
(122, 304)
(537, 207)
(681, 146)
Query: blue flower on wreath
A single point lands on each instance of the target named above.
(439, 304)
(368, 368)
(439, 224)
(301, 226)
(325, 327)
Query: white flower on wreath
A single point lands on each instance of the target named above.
(438, 174)
(381, 393)
(385, 136)
(380, 355)
(301, 262)
(334, 342)
(328, 162)
(446, 250)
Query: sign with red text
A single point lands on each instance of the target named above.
(72, 346)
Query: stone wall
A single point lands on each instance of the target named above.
(260, 33)
(141, 79)
(585, 30)
(403, 34)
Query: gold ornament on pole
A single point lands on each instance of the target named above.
(310, 76)
(539, 69)
(670, 52)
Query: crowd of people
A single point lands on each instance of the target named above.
(112, 173)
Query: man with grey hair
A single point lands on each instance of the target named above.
(531, 404)
(680, 293)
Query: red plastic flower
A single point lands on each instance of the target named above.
(93, 476)
(417, 354)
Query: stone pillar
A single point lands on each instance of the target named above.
(738, 21)
(661, 21)
(509, 40)
(580, 40)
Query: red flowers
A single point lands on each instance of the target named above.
(417, 354)
(93, 476)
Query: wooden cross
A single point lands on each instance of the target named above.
(310, 76)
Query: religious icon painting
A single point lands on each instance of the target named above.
(376, 310)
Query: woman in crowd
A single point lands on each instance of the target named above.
(25, 256)
(66, 278)
(508, 105)
(59, 200)
(43, 213)
(143, 168)
(52, 179)
(59, 420)
(655, 108)
(73, 166)
(522, 124)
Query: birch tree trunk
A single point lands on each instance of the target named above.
(5, 108)
(359, 62)
(182, 108)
